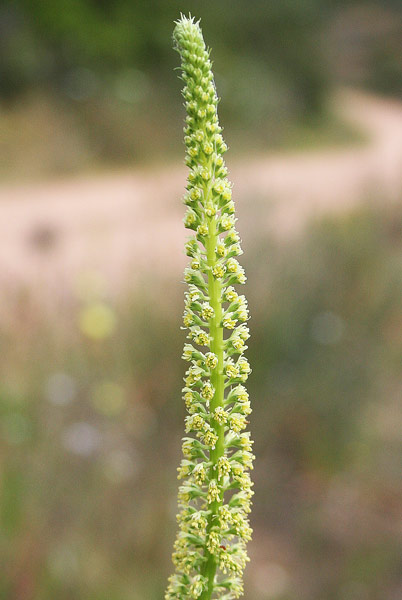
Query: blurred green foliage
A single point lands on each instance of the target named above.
(91, 421)
(93, 82)
(44, 40)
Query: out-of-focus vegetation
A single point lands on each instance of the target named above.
(91, 418)
(84, 83)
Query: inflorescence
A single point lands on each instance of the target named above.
(215, 496)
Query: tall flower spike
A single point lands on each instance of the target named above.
(215, 497)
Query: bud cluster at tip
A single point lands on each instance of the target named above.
(215, 496)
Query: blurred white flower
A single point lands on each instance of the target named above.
(81, 438)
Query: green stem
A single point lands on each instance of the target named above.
(217, 380)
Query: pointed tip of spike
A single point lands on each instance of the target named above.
(186, 23)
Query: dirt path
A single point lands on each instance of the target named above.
(119, 227)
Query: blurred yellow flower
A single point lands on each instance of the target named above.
(97, 321)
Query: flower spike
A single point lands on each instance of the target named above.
(215, 494)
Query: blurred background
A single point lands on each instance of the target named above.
(91, 262)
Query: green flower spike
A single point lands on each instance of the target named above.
(215, 498)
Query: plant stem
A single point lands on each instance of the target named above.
(217, 380)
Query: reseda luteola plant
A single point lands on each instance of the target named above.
(214, 499)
